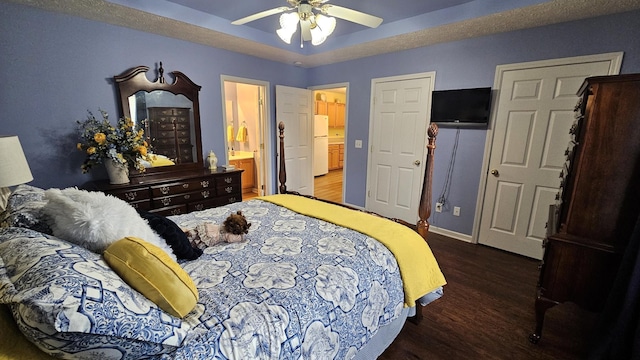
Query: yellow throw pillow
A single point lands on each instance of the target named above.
(148, 269)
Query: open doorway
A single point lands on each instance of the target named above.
(246, 130)
(329, 154)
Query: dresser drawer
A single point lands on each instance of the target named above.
(183, 198)
(223, 190)
(230, 179)
(131, 195)
(168, 126)
(168, 111)
(180, 187)
(171, 210)
(218, 201)
(141, 205)
(178, 195)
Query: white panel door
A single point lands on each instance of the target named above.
(294, 108)
(398, 146)
(530, 135)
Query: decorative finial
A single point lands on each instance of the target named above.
(161, 74)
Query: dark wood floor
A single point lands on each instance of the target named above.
(487, 311)
(487, 308)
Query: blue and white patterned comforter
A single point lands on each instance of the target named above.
(297, 287)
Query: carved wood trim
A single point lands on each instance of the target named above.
(424, 209)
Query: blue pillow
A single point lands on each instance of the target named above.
(63, 297)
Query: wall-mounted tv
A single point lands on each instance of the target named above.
(461, 107)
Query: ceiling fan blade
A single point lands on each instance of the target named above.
(260, 15)
(351, 15)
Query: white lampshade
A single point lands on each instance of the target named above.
(14, 169)
(289, 25)
(314, 27)
(326, 23)
(286, 34)
(289, 20)
(317, 37)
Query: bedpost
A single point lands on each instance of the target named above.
(282, 175)
(424, 210)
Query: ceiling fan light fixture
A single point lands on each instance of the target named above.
(302, 13)
(289, 20)
(326, 23)
(317, 36)
(286, 34)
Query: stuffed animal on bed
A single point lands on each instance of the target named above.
(208, 234)
(172, 234)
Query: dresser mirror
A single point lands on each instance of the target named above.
(169, 114)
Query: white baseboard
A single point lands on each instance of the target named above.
(451, 234)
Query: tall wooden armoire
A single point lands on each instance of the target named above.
(599, 198)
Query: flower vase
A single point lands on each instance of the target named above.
(118, 173)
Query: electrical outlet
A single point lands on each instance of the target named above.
(358, 144)
(438, 207)
(456, 211)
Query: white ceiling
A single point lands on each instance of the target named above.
(407, 23)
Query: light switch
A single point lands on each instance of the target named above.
(358, 144)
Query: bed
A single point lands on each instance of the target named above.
(311, 279)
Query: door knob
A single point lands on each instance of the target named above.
(416, 163)
(495, 172)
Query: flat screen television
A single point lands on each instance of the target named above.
(461, 107)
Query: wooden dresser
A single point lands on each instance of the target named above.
(177, 193)
(170, 131)
(599, 198)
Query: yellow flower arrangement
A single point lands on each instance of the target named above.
(99, 140)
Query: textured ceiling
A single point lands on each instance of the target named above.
(358, 44)
(390, 11)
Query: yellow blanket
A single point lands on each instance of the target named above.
(418, 267)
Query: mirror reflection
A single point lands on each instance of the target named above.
(167, 120)
(169, 114)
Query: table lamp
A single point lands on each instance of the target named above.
(14, 169)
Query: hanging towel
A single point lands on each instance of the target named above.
(242, 134)
(230, 133)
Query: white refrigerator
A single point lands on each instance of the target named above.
(320, 145)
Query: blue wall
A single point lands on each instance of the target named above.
(466, 64)
(55, 67)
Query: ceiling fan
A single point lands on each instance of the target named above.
(314, 26)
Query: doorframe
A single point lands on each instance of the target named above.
(372, 105)
(346, 126)
(616, 63)
(266, 128)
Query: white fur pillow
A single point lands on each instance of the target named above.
(95, 220)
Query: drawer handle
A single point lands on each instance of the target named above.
(176, 212)
(204, 183)
(199, 207)
(228, 180)
(131, 195)
(232, 200)
(185, 186)
(186, 197)
(166, 201)
(165, 190)
(229, 189)
(205, 194)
